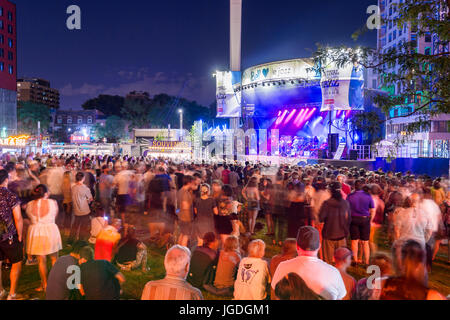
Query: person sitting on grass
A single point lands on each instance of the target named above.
(253, 274)
(203, 261)
(132, 253)
(98, 223)
(225, 276)
(343, 259)
(293, 287)
(288, 252)
(174, 286)
(107, 241)
(100, 280)
(57, 288)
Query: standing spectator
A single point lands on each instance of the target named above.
(362, 209)
(345, 187)
(225, 175)
(438, 193)
(225, 205)
(296, 212)
(377, 221)
(67, 201)
(335, 214)
(253, 274)
(321, 277)
(205, 208)
(43, 237)
(233, 179)
(266, 192)
(251, 195)
(122, 183)
(54, 181)
(185, 201)
(81, 197)
(100, 280)
(343, 258)
(174, 286)
(203, 261)
(105, 186)
(57, 288)
(11, 245)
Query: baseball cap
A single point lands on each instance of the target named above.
(342, 253)
(308, 238)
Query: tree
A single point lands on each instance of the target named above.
(113, 130)
(368, 123)
(422, 80)
(107, 104)
(28, 116)
(137, 113)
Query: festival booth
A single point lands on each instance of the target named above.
(14, 145)
(177, 150)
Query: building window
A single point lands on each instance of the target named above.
(390, 37)
(428, 37)
(80, 120)
(69, 120)
(59, 120)
(1, 24)
(374, 83)
(2, 39)
(427, 51)
(10, 69)
(1, 11)
(10, 16)
(2, 53)
(2, 66)
(440, 126)
(10, 55)
(10, 29)
(10, 43)
(89, 119)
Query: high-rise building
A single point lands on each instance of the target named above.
(431, 141)
(37, 91)
(8, 68)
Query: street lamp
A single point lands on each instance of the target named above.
(180, 111)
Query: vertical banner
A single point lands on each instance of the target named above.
(228, 100)
(275, 142)
(342, 88)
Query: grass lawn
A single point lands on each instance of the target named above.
(136, 280)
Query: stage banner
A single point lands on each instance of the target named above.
(228, 100)
(342, 88)
(284, 70)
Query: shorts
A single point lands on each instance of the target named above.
(122, 202)
(185, 227)
(12, 252)
(360, 228)
(253, 205)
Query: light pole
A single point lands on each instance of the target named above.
(180, 111)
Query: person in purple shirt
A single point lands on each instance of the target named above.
(362, 208)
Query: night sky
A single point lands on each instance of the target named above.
(156, 46)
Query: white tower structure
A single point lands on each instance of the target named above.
(235, 43)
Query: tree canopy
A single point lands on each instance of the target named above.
(419, 81)
(28, 116)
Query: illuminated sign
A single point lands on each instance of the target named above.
(170, 146)
(18, 141)
(290, 69)
(79, 139)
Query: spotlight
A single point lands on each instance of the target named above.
(292, 82)
(284, 82)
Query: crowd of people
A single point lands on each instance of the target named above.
(322, 219)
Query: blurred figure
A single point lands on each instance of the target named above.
(293, 287)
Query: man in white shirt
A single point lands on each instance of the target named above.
(122, 183)
(319, 276)
(81, 198)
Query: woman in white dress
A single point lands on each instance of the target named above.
(43, 238)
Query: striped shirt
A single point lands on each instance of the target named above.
(170, 288)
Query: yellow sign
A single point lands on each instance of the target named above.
(170, 145)
(18, 141)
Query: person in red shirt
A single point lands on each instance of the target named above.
(345, 187)
(107, 240)
(225, 175)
